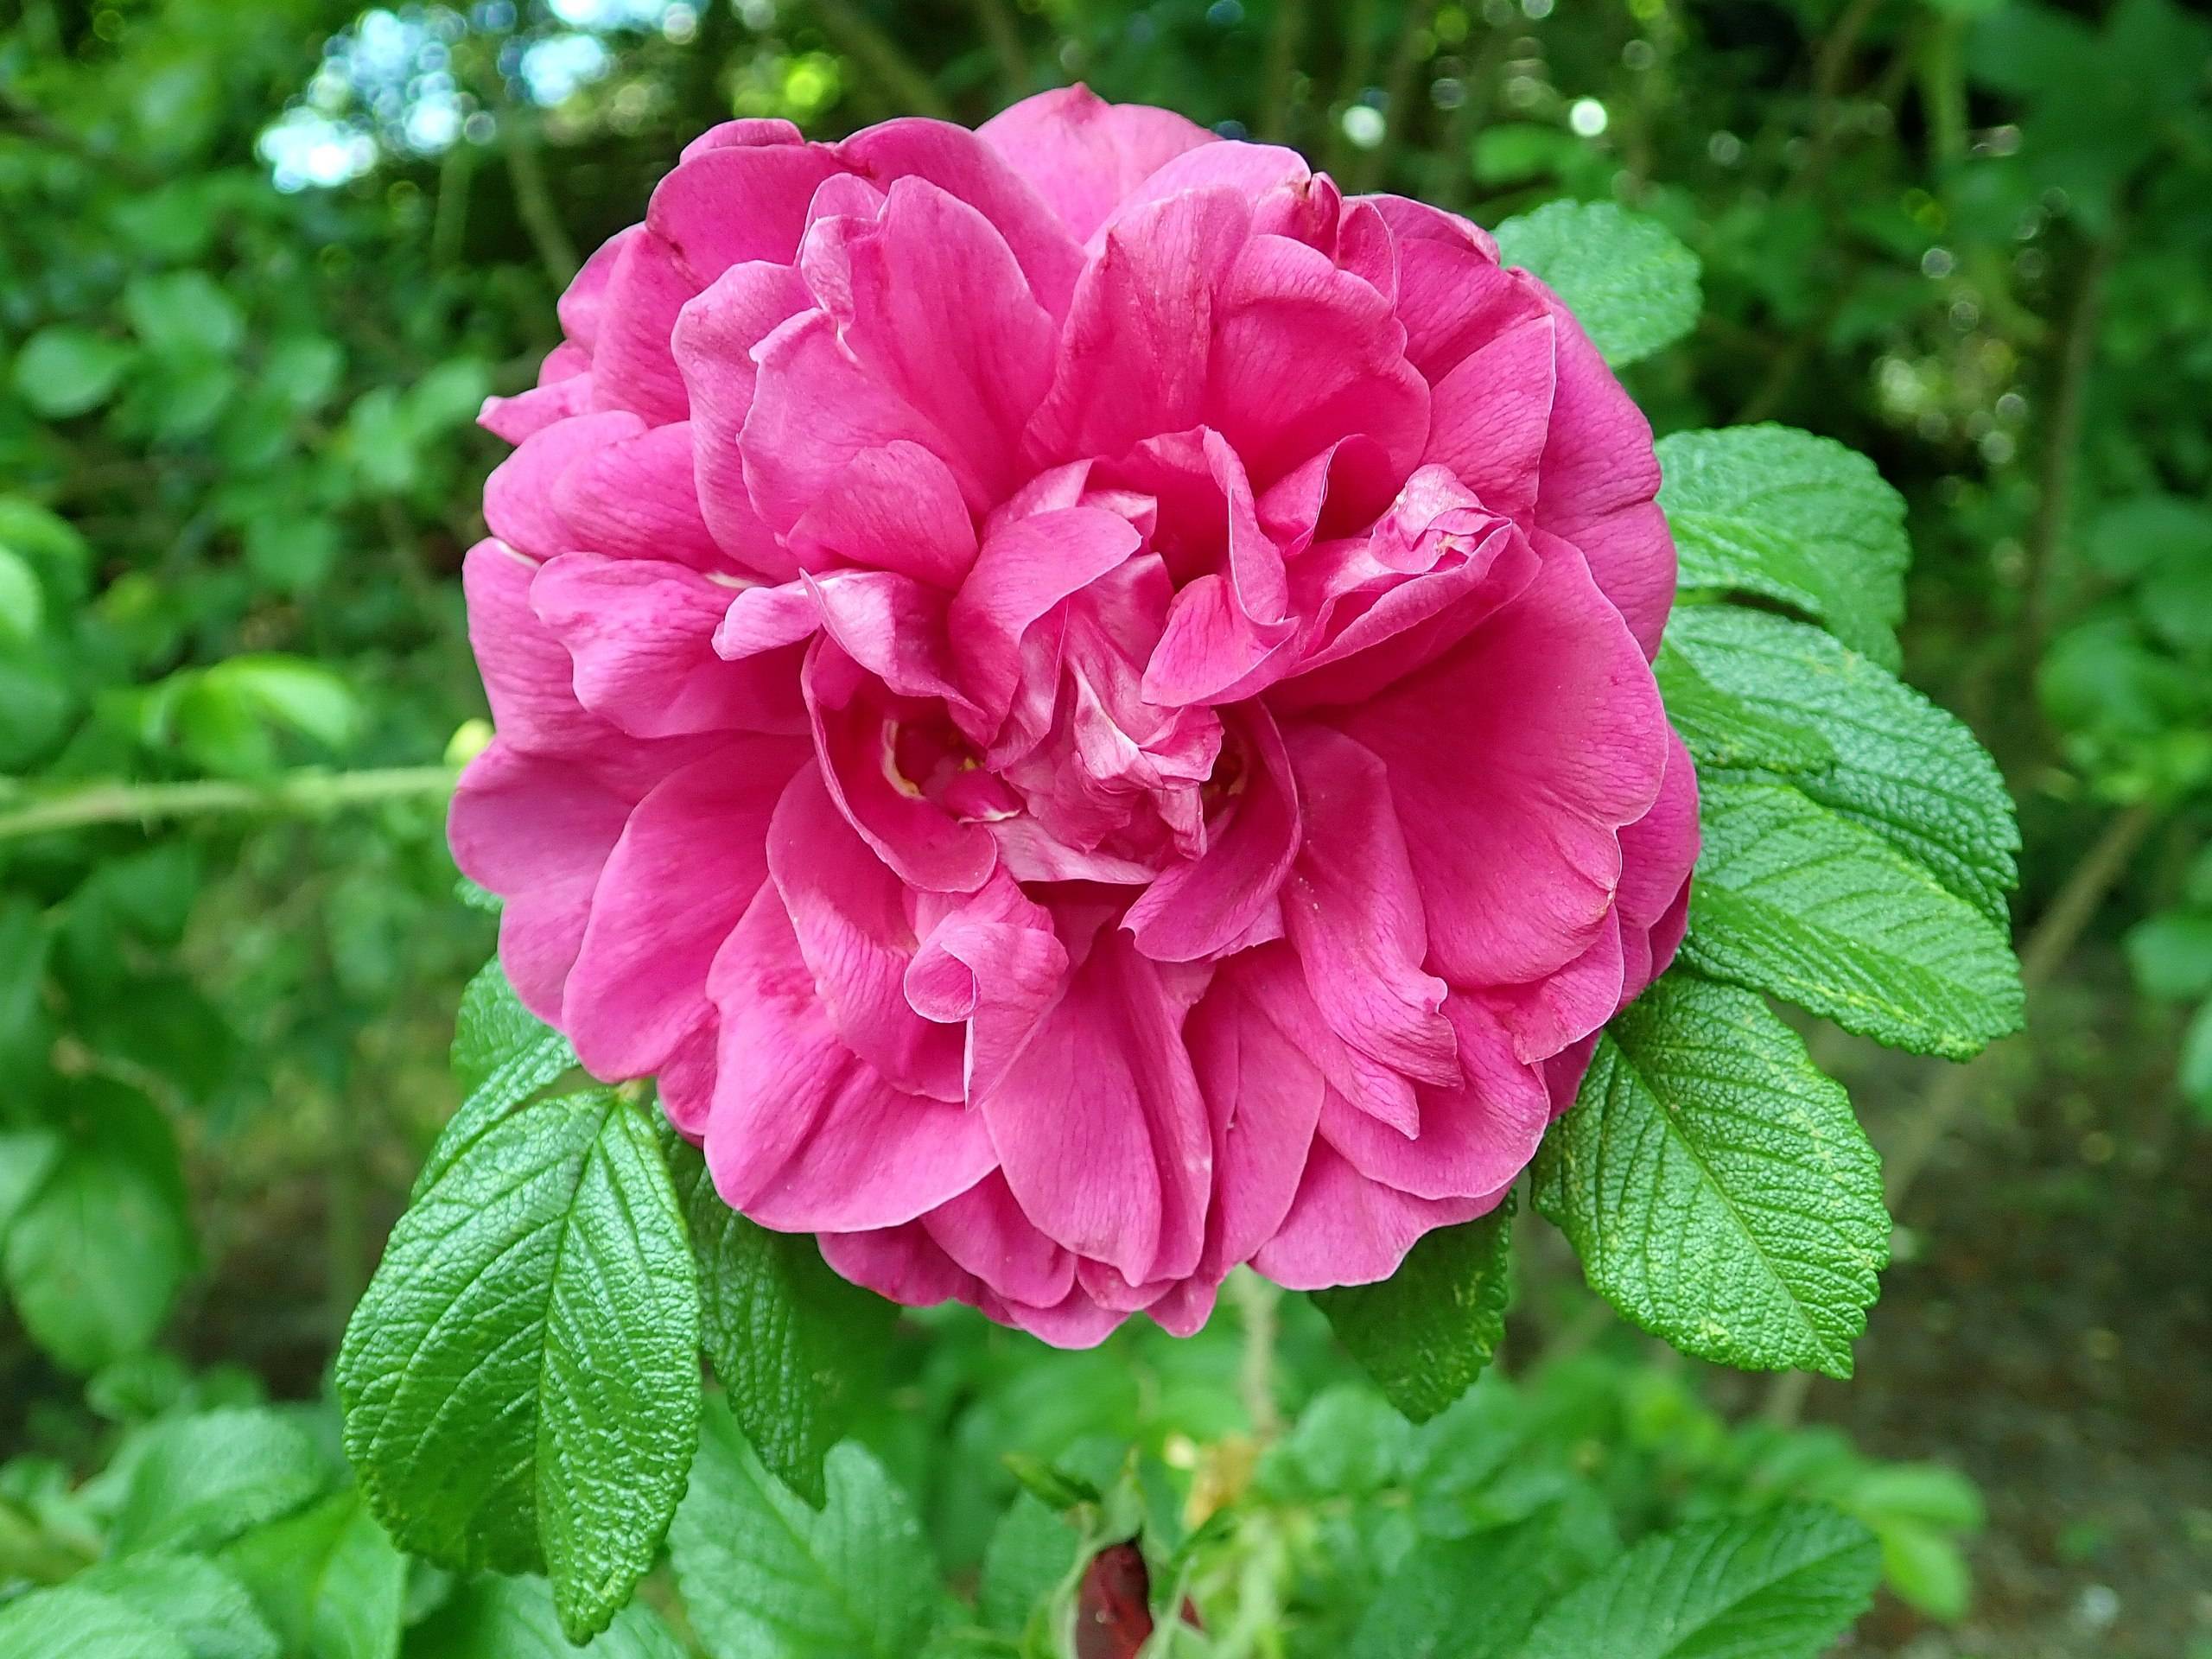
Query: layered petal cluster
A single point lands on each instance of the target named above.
(1081, 699)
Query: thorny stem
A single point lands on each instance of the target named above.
(2047, 947)
(304, 794)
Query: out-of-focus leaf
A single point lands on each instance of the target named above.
(65, 370)
(328, 1579)
(203, 1479)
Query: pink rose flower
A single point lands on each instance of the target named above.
(1080, 700)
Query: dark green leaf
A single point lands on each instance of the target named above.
(1630, 284)
(1426, 1332)
(1472, 1597)
(765, 1577)
(503, 1054)
(1782, 514)
(521, 1380)
(1716, 1187)
(794, 1346)
(1781, 1585)
(1033, 1553)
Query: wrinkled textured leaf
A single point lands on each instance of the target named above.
(1716, 1187)
(1902, 766)
(1722, 730)
(203, 1604)
(1771, 510)
(1782, 1584)
(70, 1622)
(502, 1055)
(514, 1619)
(1631, 285)
(1818, 909)
(1426, 1332)
(522, 1379)
(765, 1577)
(328, 1580)
(792, 1343)
(204, 1479)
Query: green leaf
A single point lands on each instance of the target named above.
(65, 370)
(1816, 908)
(95, 1257)
(1716, 1187)
(1781, 513)
(1473, 1598)
(291, 691)
(1630, 284)
(203, 1479)
(192, 1596)
(514, 1619)
(69, 1623)
(1033, 1553)
(503, 1054)
(2194, 1073)
(1904, 767)
(765, 1577)
(22, 602)
(521, 1380)
(1781, 1585)
(27, 1158)
(2170, 953)
(793, 1346)
(1722, 730)
(328, 1579)
(183, 313)
(1426, 1332)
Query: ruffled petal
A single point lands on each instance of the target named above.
(1082, 155)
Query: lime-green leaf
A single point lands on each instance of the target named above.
(193, 1597)
(514, 1619)
(1426, 1332)
(72, 1622)
(521, 1380)
(328, 1579)
(1817, 908)
(1903, 766)
(27, 1158)
(793, 1345)
(203, 1479)
(65, 370)
(765, 1577)
(1781, 1585)
(292, 691)
(1716, 1187)
(1781, 513)
(1630, 284)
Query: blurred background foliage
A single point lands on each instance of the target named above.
(260, 260)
